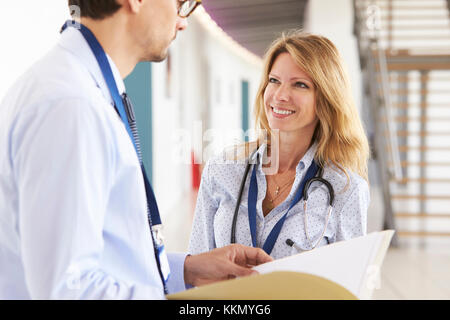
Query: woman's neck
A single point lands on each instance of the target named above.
(292, 150)
(287, 149)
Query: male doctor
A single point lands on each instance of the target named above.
(73, 198)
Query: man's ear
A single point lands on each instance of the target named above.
(133, 5)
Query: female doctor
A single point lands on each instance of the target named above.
(308, 127)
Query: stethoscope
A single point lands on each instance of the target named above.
(313, 174)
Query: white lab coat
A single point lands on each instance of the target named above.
(73, 219)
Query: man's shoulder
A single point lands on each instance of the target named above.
(56, 76)
(61, 74)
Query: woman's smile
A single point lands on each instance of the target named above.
(281, 113)
(290, 97)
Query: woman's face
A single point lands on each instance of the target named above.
(289, 98)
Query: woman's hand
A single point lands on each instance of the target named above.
(229, 262)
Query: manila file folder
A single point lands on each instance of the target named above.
(344, 270)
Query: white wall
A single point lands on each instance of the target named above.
(28, 29)
(227, 73)
(206, 77)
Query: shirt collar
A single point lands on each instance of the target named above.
(73, 41)
(259, 153)
(305, 162)
(308, 158)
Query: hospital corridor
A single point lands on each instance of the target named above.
(408, 175)
(220, 86)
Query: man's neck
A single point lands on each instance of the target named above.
(112, 35)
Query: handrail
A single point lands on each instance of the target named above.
(397, 171)
(366, 46)
(372, 24)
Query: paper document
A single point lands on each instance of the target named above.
(342, 270)
(354, 264)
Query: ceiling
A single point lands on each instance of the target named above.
(256, 23)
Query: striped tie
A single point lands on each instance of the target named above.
(155, 226)
(132, 121)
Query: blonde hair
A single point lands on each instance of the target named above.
(339, 134)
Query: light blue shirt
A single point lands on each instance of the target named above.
(73, 217)
(218, 194)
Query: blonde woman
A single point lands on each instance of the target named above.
(305, 110)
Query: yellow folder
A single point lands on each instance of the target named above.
(280, 285)
(343, 270)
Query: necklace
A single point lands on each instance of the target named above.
(279, 189)
(268, 203)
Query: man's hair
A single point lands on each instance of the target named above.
(95, 9)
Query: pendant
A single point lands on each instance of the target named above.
(278, 190)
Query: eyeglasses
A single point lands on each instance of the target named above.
(186, 7)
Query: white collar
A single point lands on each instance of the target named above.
(73, 41)
(305, 162)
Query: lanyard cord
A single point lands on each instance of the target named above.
(127, 116)
(253, 197)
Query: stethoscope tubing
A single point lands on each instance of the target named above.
(305, 219)
(238, 202)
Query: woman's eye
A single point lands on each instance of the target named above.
(301, 85)
(273, 80)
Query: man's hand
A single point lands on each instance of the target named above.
(224, 263)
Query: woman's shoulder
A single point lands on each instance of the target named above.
(345, 182)
(223, 173)
(233, 155)
(227, 162)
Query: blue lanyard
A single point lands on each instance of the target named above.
(105, 67)
(100, 55)
(253, 197)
